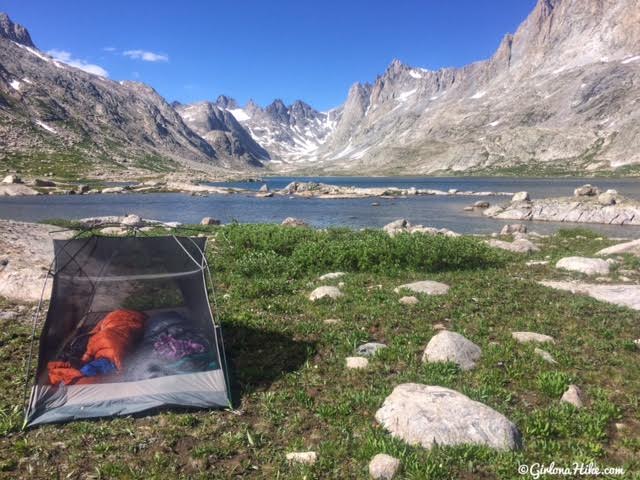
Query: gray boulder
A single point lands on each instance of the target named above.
(294, 222)
(209, 221)
(428, 287)
(588, 266)
(449, 346)
(325, 292)
(431, 415)
(632, 247)
(520, 245)
(608, 198)
(521, 197)
(513, 228)
(586, 191)
(12, 179)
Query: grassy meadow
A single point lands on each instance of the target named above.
(293, 392)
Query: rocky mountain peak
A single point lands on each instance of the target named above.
(224, 101)
(300, 109)
(396, 67)
(14, 31)
(278, 111)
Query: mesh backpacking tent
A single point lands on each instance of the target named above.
(129, 328)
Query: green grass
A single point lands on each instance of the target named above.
(295, 394)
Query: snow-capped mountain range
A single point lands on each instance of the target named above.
(562, 93)
(286, 133)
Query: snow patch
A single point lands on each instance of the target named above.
(495, 123)
(15, 84)
(404, 96)
(630, 59)
(239, 114)
(45, 126)
(360, 154)
(477, 95)
(414, 74)
(26, 80)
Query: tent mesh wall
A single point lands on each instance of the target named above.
(163, 277)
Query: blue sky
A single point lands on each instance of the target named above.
(197, 49)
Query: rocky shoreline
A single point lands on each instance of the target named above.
(13, 185)
(588, 205)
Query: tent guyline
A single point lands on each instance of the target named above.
(129, 328)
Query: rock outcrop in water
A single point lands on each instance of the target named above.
(581, 208)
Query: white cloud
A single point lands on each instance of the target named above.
(109, 49)
(66, 57)
(146, 56)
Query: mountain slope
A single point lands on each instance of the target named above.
(220, 129)
(54, 114)
(563, 91)
(286, 132)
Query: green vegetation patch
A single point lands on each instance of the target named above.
(294, 393)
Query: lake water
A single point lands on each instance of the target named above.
(436, 211)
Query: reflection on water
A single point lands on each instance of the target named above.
(437, 211)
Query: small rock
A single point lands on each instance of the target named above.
(588, 266)
(209, 221)
(357, 362)
(294, 222)
(439, 326)
(118, 231)
(426, 286)
(113, 190)
(536, 262)
(449, 346)
(526, 337)
(12, 179)
(8, 316)
(573, 395)
(331, 321)
(607, 198)
(521, 245)
(305, 458)
(521, 197)
(383, 467)
(396, 226)
(331, 276)
(586, 191)
(513, 228)
(370, 349)
(132, 220)
(375, 204)
(44, 183)
(481, 204)
(409, 300)
(325, 292)
(546, 356)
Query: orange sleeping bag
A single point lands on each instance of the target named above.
(115, 336)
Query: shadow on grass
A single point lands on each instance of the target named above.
(257, 358)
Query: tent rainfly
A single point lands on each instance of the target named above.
(129, 328)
